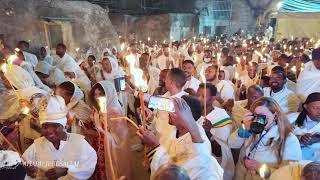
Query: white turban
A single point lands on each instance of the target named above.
(55, 111)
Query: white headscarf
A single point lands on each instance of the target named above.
(23, 81)
(76, 97)
(111, 93)
(19, 77)
(55, 111)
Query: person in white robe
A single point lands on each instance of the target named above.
(79, 112)
(205, 62)
(150, 73)
(116, 134)
(225, 88)
(308, 81)
(247, 80)
(64, 60)
(187, 147)
(49, 75)
(25, 89)
(82, 81)
(273, 144)
(165, 61)
(307, 128)
(45, 53)
(54, 155)
(189, 69)
(174, 83)
(288, 100)
(218, 127)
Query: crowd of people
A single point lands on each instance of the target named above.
(229, 108)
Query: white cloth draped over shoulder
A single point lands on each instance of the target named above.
(221, 130)
(308, 81)
(56, 76)
(310, 152)
(75, 153)
(118, 132)
(28, 67)
(288, 100)
(78, 109)
(25, 86)
(31, 58)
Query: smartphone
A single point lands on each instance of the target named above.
(6, 130)
(120, 84)
(161, 103)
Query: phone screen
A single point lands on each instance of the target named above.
(122, 82)
(160, 103)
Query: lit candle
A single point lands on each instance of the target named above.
(264, 171)
(203, 78)
(25, 110)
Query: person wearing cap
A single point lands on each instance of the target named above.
(287, 99)
(58, 154)
(308, 81)
(307, 128)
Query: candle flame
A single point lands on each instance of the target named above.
(25, 110)
(16, 49)
(294, 69)
(3, 68)
(122, 46)
(77, 49)
(243, 126)
(12, 58)
(102, 103)
(263, 171)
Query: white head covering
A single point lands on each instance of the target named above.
(43, 67)
(226, 74)
(54, 111)
(19, 77)
(76, 97)
(106, 50)
(69, 67)
(111, 93)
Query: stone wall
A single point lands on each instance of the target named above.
(157, 27)
(83, 24)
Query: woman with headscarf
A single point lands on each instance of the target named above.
(79, 112)
(45, 55)
(225, 88)
(307, 128)
(82, 81)
(24, 87)
(117, 134)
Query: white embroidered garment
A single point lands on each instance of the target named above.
(308, 81)
(75, 154)
(288, 100)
